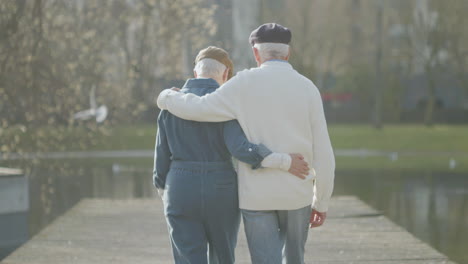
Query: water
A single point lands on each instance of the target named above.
(431, 205)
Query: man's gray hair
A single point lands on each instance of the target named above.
(268, 51)
(209, 68)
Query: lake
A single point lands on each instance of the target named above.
(431, 205)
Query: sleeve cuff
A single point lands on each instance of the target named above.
(263, 151)
(158, 183)
(285, 161)
(321, 206)
(278, 161)
(260, 153)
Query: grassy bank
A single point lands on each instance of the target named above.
(398, 138)
(417, 138)
(440, 138)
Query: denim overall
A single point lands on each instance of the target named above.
(193, 164)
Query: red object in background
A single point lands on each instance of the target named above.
(340, 97)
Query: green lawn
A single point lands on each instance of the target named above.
(128, 138)
(440, 138)
(417, 138)
(402, 164)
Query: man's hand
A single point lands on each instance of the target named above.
(299, 167)
(175, 89)
(317, 218)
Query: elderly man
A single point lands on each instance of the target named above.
(277, 106)
(193, 166)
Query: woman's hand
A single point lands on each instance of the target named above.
(299, 167)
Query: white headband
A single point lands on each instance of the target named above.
(271, 45)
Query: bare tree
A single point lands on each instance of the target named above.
(52, 52)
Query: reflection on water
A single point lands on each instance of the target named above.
(433, 206)
(55, 187)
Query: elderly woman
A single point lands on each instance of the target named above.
(194, 171)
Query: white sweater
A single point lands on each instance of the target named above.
(282, 109)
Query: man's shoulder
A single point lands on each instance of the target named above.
(297, 77)
(303, 79)
(252, 71)
(306, 82)
(246, 72)
(259, 70)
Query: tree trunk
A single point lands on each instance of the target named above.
(377, 114)
(430, 105)
(138, 93)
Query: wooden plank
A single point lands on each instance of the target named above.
(134, 231)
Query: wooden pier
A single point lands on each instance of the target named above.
(134, 231)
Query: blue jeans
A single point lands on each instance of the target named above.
(202, 212)
(276, 236)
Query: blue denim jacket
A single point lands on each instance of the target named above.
(184, 140)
